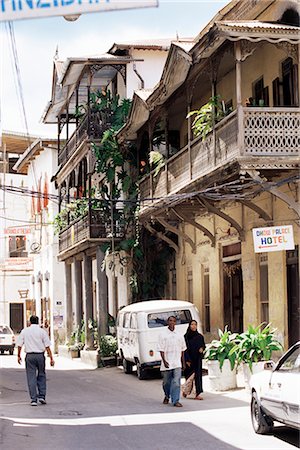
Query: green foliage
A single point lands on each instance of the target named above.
(219, 350)
(73, 210)
(77, 339)
(108, 345)
(205, 117)
(157, 161)
(256, 344)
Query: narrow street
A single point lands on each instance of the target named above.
(106, 409)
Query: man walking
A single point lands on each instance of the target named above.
(171, 347)
(35, 340)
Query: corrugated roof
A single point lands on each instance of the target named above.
(144, 93)
(256, 24)
(149, 44)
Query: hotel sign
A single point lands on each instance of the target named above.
(31, 9)
(17, 231)
(273, 239)
(19, 264)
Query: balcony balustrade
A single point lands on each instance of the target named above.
(91, 226)
(269, 132)
(91, 127)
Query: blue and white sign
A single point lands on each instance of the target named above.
(30, 9)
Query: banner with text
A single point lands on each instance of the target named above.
(31, 9)
(273, 239)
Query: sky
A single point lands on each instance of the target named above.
(37, 40)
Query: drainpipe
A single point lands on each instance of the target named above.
(139, 76)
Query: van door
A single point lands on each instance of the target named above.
(133, 340)
(126, 346)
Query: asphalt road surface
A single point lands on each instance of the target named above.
(108, 410)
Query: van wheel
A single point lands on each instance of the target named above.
(11, 352)
(2, 351)
(127, 366)
(141, 373)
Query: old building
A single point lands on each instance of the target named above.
(239, 173)
(78, 84)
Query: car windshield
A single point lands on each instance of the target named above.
(160, 319)
(5, 330)
(292, 362)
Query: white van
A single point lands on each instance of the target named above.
(139, 326)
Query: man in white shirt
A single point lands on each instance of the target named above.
(35, 340)
(171, 347)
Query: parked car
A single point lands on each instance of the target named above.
(138, 329)
(7, 339)
(276, 393)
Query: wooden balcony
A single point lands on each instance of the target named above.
(91, 127)
(90, 228)
(272, 132)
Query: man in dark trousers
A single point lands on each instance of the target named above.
(35, 340)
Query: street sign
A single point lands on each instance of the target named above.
(273, 239)
(31, 9)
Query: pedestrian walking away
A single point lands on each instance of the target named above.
(171, 348)
(36, 341)
(193, 356)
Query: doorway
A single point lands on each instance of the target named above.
(233, 300)
(16, 314)
(292, 275)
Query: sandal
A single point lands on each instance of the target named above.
(198, 397)
(166, 401)
(178, 405)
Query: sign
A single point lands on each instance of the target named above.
(273, 239)
(17, 231)
(31, 9)
(18, 264)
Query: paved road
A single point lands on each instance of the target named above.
(106, 409)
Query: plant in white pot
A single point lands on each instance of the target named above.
(221, 361)
(254, 347)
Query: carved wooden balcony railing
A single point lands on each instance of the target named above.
(91, 127)
(88, 227)
(264, 132)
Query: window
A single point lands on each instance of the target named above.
(264, 287)
(126, 320)
(292, 362)
(17, 247)
(133, 322)
(289, 82)
(190, 295)
(206, 300)
(156, 320)
(260, 93)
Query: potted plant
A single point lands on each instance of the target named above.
(108, 350)
(254, 347)
(207, 116)
(221, 359)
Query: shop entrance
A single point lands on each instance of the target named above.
(292, 275)
(16, 314)
(233, 288)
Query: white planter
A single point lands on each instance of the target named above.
(256, 367)
(221, 380)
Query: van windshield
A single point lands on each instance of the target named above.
(159, 319)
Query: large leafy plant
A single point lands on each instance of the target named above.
(108, 345)
(208, 115)
(256, 344)
(222, 349)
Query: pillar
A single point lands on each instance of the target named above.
(88, 299)
(78, 292)
(102, 293)
(68, 305)
(238, 82)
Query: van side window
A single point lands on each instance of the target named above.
(159, 319)
(133, 321)
(126, 320)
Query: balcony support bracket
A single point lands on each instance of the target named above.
(161, 236)
(262, 214)
(270, 187)
(218, 212)
(195, 224)
(179, 233)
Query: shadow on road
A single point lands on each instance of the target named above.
(288, 435)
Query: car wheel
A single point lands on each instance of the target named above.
(11, 352)
(127, 366)
(2, 352)
(262, 423)
(141, 372)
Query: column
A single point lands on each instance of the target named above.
(88, 299)
(68, 306)
(78, 292)
(102, 293)
(238, 82)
